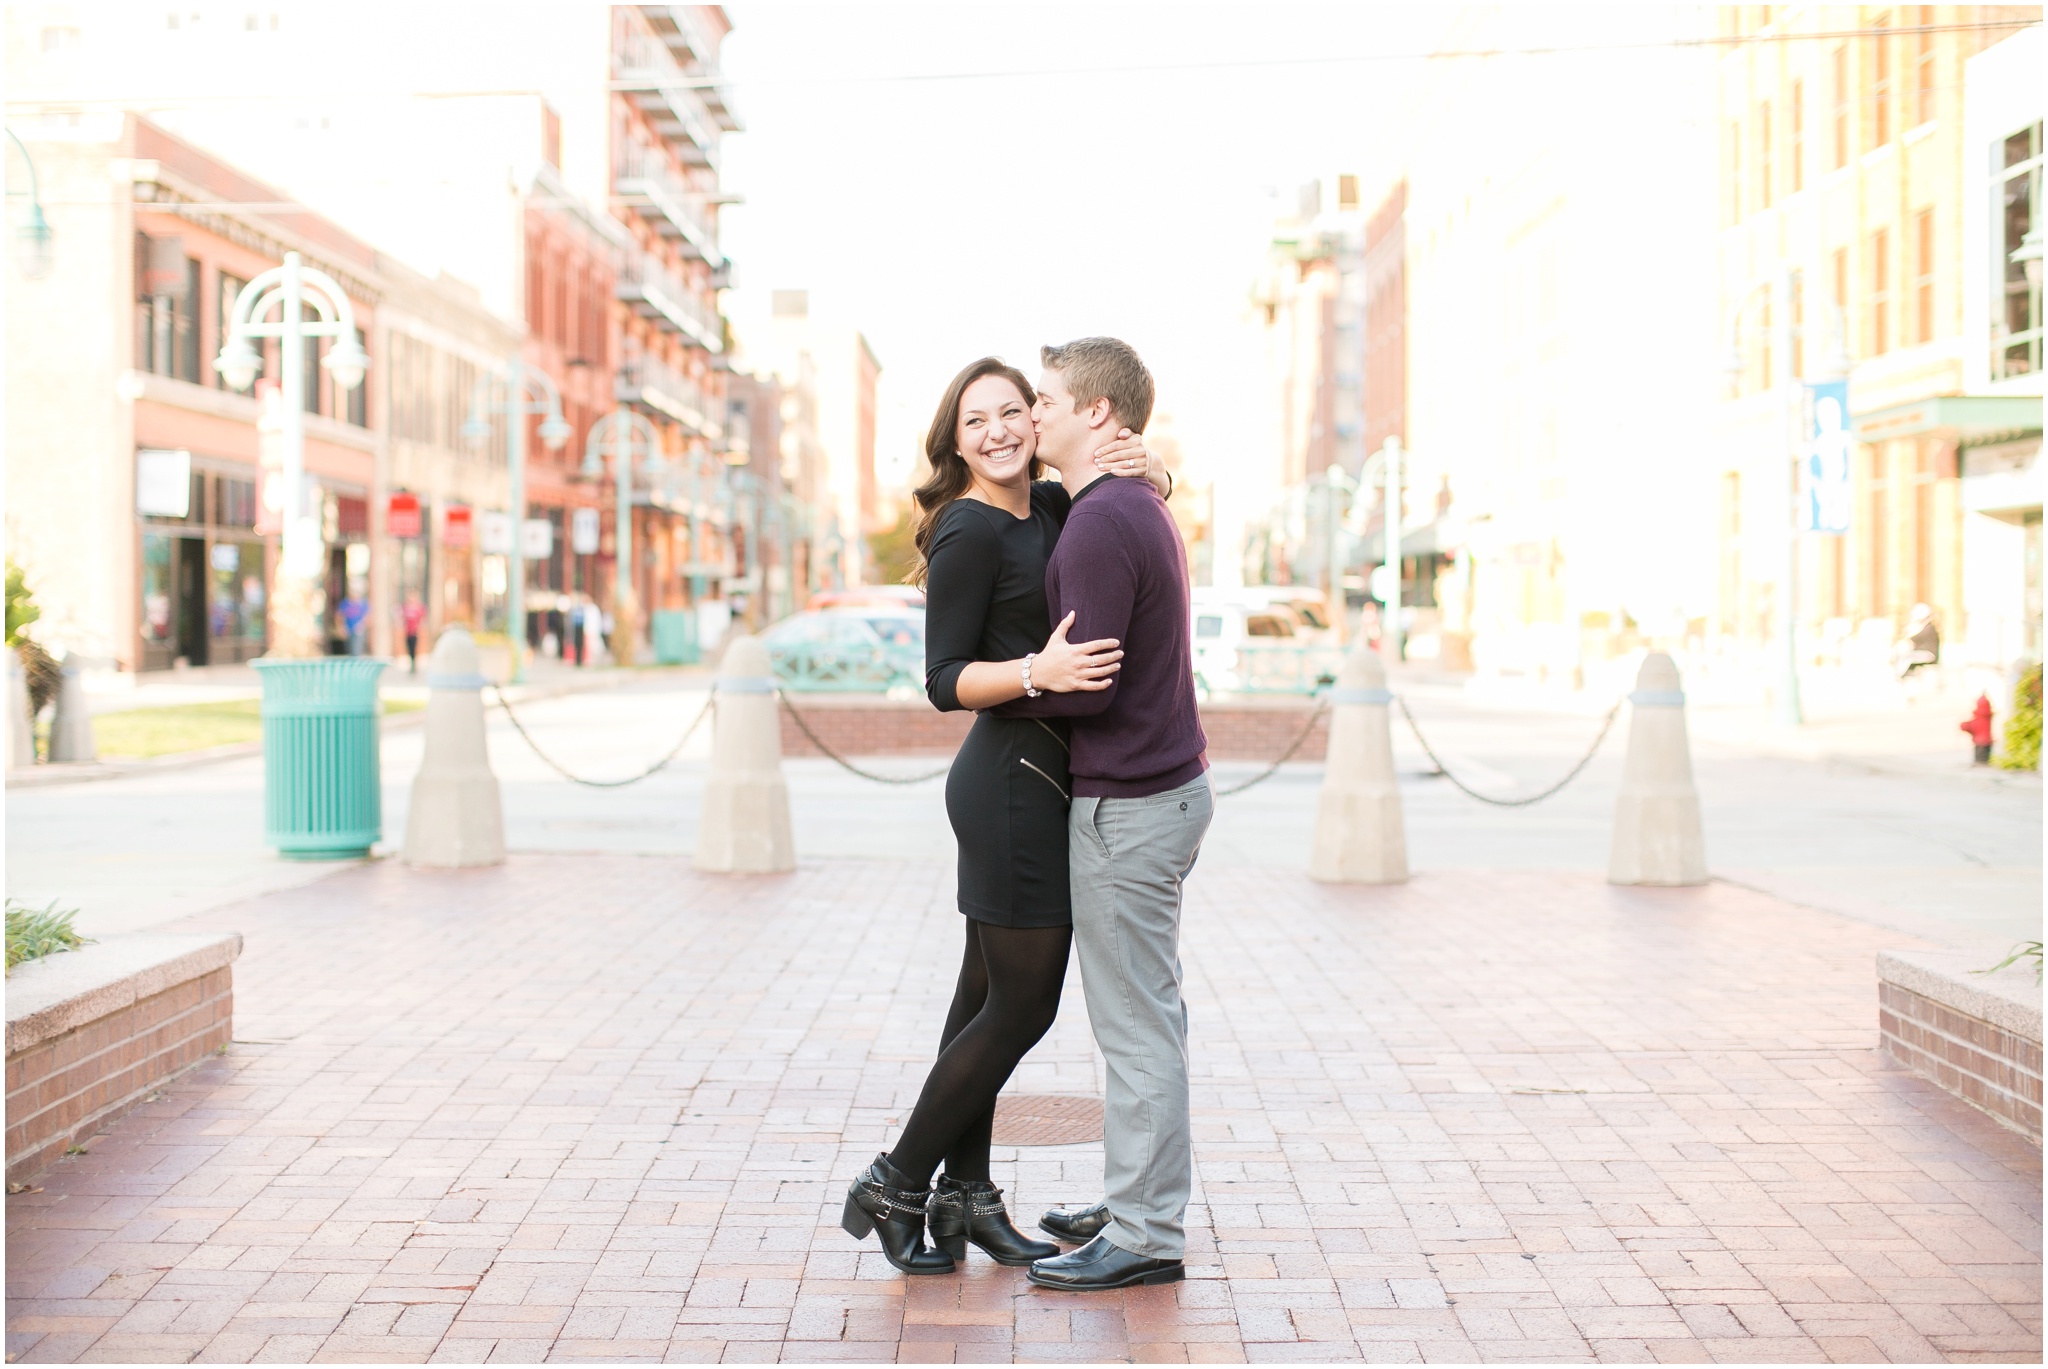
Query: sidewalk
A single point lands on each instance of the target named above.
(602, 1107)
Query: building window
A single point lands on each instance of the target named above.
(1796, 290)
(166, 308)
(2015, 208)
(1763, 155)
(223, 319)
(314, 348)
(1798, 136)
(1841, 107)
(1838, 263)
(1881, 82)
(1735, 171)
(357, 405)
(1923, 276)
(1923, 65)
(1880, 291)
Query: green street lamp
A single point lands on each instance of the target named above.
(520, 392)
(628, 433)
(32, 237)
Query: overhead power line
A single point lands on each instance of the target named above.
(659, 83)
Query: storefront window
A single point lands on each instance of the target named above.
(156, 588)
(235, 603)
(2016, 322)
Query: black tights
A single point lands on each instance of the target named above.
(1007, 997)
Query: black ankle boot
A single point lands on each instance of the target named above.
(972, 1210)
(882, 1201)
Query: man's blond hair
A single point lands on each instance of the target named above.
(1104, 368)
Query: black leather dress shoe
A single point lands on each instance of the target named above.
(1076, 1225)
(1099, 1265)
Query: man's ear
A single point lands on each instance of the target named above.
(1100, 414)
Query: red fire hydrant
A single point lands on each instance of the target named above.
(1979, 728)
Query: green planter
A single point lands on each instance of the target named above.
(675, 637)
(322, 781)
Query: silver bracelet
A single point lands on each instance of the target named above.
(1029, 692)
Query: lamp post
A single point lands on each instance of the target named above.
(1336, 485)
(292, 289)
(521, 391)
(1781, 286)
(32, 237)
(628, 433)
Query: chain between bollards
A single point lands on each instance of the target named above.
(1322, 707)
(845, 764)
(1445, 770)
(561, 770)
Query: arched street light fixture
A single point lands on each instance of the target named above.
(628, 433)
(32, 236)
(308, 304)
(521, 392)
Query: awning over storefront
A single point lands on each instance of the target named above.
(1972, 420)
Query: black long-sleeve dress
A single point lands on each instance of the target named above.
(1007, 794)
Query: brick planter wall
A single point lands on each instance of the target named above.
(90, 1032)
(864, 725)
(1977, 1036)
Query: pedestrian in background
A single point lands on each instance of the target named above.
(410, 618)
(354, 610)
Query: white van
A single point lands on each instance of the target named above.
(1250, 647)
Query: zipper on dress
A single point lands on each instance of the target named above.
(1054, 735)
(1047, 778)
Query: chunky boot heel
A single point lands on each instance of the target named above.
(965, 1210)
(882, 1201)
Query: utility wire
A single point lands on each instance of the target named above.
(721, 82)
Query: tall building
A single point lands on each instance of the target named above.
(827, 371)
(136, 480)
(1313, 301)
(1560, 337)
(2001, 478)
(1853, 192)
(564, 165)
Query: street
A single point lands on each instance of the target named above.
(1920, 845)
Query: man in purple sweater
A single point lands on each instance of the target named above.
(1141, 806)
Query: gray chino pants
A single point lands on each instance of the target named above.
(1128, 858)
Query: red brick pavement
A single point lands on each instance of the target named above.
(603, 1108)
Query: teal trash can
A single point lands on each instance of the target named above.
(323, 796)
(675, 637)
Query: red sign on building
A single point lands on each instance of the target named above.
(402, 516)
(455, 528)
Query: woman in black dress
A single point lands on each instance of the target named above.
(986, 527)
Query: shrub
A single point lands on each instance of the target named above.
(2022, 749)
(21, 605)
(33, 933)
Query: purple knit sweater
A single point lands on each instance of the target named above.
(1121, 569)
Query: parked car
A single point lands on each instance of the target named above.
(1243, 645)
(855, 650)
(870, 596)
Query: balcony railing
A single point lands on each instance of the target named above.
(676, 211)
(653, 384)
(658, 294)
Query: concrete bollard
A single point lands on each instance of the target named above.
(456, 818)
(21, 729)
(71, 736)
(743, 825)
(1360, 837)
(1657, 836)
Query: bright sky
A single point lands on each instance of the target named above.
(951, 218)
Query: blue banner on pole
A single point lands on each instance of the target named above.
(1824, 467)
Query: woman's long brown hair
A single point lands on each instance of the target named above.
(950, 477)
